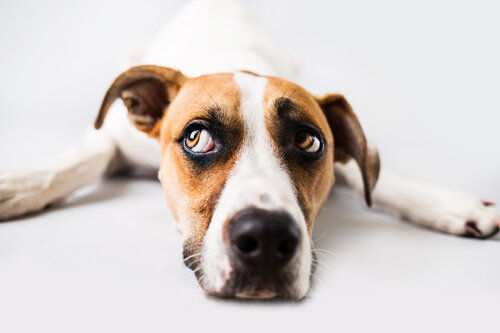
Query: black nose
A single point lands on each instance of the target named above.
(262, 238)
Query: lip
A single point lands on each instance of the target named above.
(256, 294)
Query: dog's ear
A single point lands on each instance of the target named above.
(350, 141)
(146, 91)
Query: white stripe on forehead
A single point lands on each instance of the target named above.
(257, 148)
(258, 170)
(257, 166)
(252, 96)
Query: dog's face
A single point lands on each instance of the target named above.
(247, 163)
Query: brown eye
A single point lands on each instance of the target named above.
(307, 141)
(199, 141)
(193, 138)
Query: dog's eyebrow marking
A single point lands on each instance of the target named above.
(286, 107)
(293, 111)
(284, 104)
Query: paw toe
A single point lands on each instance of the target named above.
(472, 231)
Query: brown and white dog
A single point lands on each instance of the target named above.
(246, 157)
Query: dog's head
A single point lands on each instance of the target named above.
(247, 163)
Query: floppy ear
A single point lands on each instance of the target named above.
(350, 141)
(146, 91)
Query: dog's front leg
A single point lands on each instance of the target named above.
(23, 192)
(430, 206)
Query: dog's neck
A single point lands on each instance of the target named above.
(213, 36)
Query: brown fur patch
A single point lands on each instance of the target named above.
(146, 90)
(287, 105)
(350, 141)
(192, 192)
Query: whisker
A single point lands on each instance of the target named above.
(192, 256)
(202, 281)
(165, 234)
(323, 269)
(197, 269)
(315, 277)
(322, 263)
(324, 251)
(174, 251)
(195, 262)
(320, 236)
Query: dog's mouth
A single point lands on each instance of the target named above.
(243, 283)
(258, 284)
(256, 294)
(256, 287)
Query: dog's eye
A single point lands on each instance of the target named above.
(199, 141)
(307, 141)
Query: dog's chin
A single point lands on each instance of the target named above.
(253, 287)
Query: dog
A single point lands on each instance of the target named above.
(246, 157)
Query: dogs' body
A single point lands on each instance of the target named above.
(252, 169)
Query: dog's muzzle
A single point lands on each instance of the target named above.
(257, 244)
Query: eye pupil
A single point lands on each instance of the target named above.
(194, 134)
(301, 137)
(307, 141)
(304, 139)
(193, 138)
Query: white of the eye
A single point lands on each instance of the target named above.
(315, 146)
(205, 143)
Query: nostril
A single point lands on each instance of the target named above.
(286, 247)
(247, 244)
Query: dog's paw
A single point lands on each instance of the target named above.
(23, 192)
(485, 223)
(457, 213)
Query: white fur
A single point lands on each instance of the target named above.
(427, 205)
(214, 36)
(258, 172)
(23, 192)
(136, 148)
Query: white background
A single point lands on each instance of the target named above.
(424, 78)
